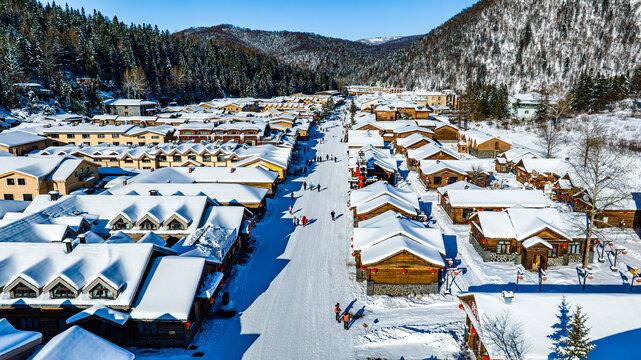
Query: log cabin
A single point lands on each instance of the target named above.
(436, 173)
(460, 205)
(482, 145)
(444, 132)
(398, 256)
(411, 142)
(535, 238)
(506, 162)
(432, 151)
(369, 164)
(540, 173)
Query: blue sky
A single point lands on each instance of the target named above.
(348, 19)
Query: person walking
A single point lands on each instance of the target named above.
(337, 310)
(304, 221)
(305, 183)
(333, 215)
(318, 187)
(305, 170)
(292, 196)
(346, 321)
(290, 209)
(327, 157)
(295, 221)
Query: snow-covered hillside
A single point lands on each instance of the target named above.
(378, 40)
(521, 43)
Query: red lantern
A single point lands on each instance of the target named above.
(403, 271)
(597, 242)
(433, 271)
(352, 246)
(484, 241)
(485, 357)
(611, 244)
(473, 331)
(590, 277)
(460, 306)
(469, 223)
(455, 273)
(639, 281)
(352, 238)
(352, 254)
(187, 325)
(361, 178)
(565, 245)
(624, 252)
(544, 278)
(374, 270)
(211, 301)
(450, 263)
(521, 277)
(362, 267)
(360, 183)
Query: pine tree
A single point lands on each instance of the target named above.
(352, 111)
(576, 345)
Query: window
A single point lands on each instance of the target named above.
(141, 137)
(467, 213)
(206, 158)
(101, 292)
(54, 136)
(175, 225)
(147, 328)
(141, 143)
(145, 160)
(8, 196)
(220, 158)
(574, 247)
(496, 145)
(148, 225)
(32, 324)
(128, 161)
(115, 136)
(555, 250)
(71, 136)
(203, 132)
(21, 290)
(503, 247)
(27, 197)
(75, 174)
(452, 180)
(22, 182)
(11, 182)
(155, 137)
(177, 158)
(60, 291)
(162, 158)
(191, 157)
(438, 180)
(121, 225)
(101, 136)
(116, 143)
(85, 136)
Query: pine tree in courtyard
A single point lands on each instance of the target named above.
(576, 345)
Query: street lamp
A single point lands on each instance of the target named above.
(450, 272)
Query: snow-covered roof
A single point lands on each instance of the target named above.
(459, 185)
(229, 175)
(612, 329)
(471, 198)
(412, 139)
(557, 167)
(101, 311)
(521, 223)
(220, 193)
(360, 138)
(170, 288)
(35, 166)
(381, 189)
(428, 150)
(374, 156)
(18, 137)
(517, 154)
(39, 264)
(460, 166)
(88, 128)
(128, 102)
(395, 245)
(77, 343)
(12, 339)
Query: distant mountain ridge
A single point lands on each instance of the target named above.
(521, 43)
(305, 50)
(391, 42)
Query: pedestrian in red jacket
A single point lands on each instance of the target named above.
(304, 220)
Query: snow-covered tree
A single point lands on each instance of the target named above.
(576, 344)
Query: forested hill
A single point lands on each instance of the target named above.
(306, 50)
(521, 43)
(55, 45)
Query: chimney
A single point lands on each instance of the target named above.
(68, 245)
(82, 239)
(153, 192)
(53, 195)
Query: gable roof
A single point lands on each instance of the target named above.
(482, 198)
(77, 343)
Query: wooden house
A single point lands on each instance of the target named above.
(405, 131)
(380, 197)
(461, 204)
(482, 145)
(540, 173)
(436, 173)
(535, 238)
(507, 161)
(445, 132)
(369, 164)
(398, 256)
(431, 151)
(411, 142)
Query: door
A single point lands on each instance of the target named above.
(536, 262)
